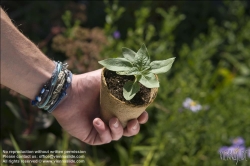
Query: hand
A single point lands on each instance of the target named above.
(78, 113)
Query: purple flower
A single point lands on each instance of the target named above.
(116, 35)
(237, 151)
(191, 105)
(223, 149)
(232, 152)
(239, 141)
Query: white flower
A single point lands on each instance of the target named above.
(191, 105)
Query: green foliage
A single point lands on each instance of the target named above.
(113, 13)
(213, 69)
(139, 65)
(67, 19)
(130, 89)
(16, 147)
(158, 67)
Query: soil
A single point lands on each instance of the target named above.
(116, 82)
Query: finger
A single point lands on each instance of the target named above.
(104, 135)
(116, 128)
(143, 118)
(133, 127)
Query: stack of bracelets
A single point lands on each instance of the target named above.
(55, 89)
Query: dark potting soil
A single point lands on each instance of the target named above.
(116, 82)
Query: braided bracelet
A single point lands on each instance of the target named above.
(56, 94)
(52, 86)
(55, 89)
(62, 94)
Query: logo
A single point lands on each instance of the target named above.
(234, 153)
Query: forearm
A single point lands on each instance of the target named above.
(24, 68)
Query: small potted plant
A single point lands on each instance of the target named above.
(129, 84)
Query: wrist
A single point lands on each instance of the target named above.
(41, 75)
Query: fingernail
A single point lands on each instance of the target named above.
(135, 127)
(98, 123)
(116, 124)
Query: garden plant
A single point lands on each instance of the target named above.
(129, 84)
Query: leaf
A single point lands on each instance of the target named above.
(130, 89)
(142, 57)
(240, 80)
(116, 64)
(16, 147)
(132, 71)
(135, 71)
(123, 154)
(128, 54)
(149, 81)
(15, 110)
(158, 67)
(145, 69)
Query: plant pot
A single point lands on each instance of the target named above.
(113, 107)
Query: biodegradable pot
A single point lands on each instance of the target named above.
(113, 107)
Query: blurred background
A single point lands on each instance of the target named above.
(203, 104)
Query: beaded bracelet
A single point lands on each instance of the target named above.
(55, 89)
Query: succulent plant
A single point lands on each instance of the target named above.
(139, 65)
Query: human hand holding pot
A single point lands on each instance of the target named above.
(79, 113)
(24, 69)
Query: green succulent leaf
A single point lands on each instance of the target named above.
(128, 54)
(130, 89)
(142, 57)
(149, 80)
(158, 67)
(131, 71)
(116, 64)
